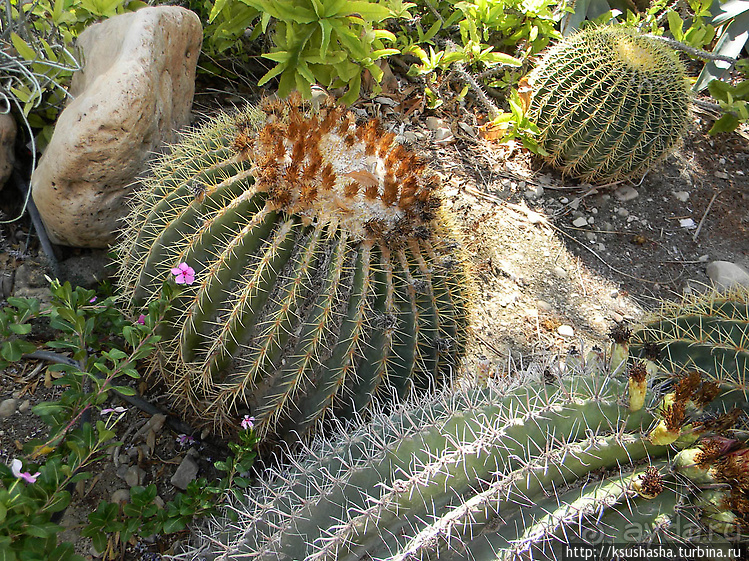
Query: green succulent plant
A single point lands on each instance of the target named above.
(521, 474)
(709, 333)
(609, 103)
(319, 273)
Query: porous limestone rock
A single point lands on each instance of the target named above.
(133, 94)
(7, 141)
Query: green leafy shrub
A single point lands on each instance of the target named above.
(320, 273)
(609, 103)
(34, 489)
(102, 348)
(329, 42)
(524, 474)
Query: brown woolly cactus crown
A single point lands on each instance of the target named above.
(323, 167)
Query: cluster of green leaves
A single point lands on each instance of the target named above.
(97, 359)
(112, 525)
(479, 33)
(734, 101)
(37, 57)
(103, 347)
(14, 325)
(329, 42)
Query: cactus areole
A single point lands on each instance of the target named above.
(325, 273)
(609, 103)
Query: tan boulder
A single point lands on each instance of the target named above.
(8, 131)
(134, 93)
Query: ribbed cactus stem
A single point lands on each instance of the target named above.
(474, 470)
(609, 103)
(709, 333)
(327, 276)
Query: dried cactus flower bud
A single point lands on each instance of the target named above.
(326, 275)
(638, 385)
(669, 429)
(609, 102)
(648, 484)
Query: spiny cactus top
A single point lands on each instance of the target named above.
(325, 273)
(609, 103)
(709, 332)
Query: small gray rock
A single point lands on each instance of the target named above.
(121, 496)
(86, 270)
(134, 476)
(434, 123)
(721, 175)
(31, 274)
(580, 222)
(186, 472)
(25, 406)
(626, 193)
(725, 274)
(443, 135)
(682, 196)
(6, 283)
(8, 407)
(566, 331)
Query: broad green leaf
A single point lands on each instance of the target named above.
(20, 329)
(501, 58)
(384, 34)
(124, 390)
(333, 7)
(727, 123)
(354, 88)
(326, 30)
(367, 10)
(383, 53)
(675, 25)
(272, 73)
(23, 48)
(42, 529)
(216, 9)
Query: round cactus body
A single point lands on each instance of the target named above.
(325, 273)
(609, 103)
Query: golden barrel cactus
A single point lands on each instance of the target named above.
(320, 273)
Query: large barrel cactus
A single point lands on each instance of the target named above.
(525, 474)
(317, 271)
(609, 103)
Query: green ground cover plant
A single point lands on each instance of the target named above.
(97, 351)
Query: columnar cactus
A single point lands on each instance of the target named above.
(482, 476)
(326, 275)
(524, 474)
(609, 103)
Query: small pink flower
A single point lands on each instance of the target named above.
(185, 440)
(248, 422)
(109, 410)
(141, 319)
(184, 274)
(15, 467)
(92, 300)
